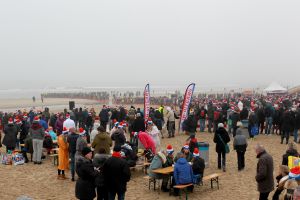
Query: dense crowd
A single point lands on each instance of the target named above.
(103, 146)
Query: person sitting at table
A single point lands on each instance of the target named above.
(157, 163)
(198, 167)
(183, 173)
(52, 133)
(186, 153)
(169, 163)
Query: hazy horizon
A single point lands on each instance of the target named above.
(214, 43)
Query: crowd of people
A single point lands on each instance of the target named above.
(102, 147)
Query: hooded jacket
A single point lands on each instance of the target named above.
(240, 141)
(264, 173)
(102, 140)
(220, 147)
(37, 131)
(183, 173)
(289, 152)
(118, 137)
(10, 136)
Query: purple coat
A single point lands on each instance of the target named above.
(59, 125)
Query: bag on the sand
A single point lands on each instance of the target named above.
(18, 159)
(6, 159)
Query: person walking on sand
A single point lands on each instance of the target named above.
(72, 140)
(264, 173)
(240, 145)
(63, 154)
(221, 139)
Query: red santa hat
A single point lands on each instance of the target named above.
(65, 130)
(81, 132)
(196, 152)
(36, 119)
(97, 118)
(10, 121)
(25, 116)
(170, 149)
(67, 115)
(186, 146)
(18, 121)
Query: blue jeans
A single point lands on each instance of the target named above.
(202, 125)
(112, 195)
(72, 156)
(269, 122)
(296, 135)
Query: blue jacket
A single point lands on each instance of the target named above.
(183, 173)
(53, 135)
(44, 124)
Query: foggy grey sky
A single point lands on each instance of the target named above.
(130, 43)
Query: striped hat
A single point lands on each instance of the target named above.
(186, 146)
(36, 119)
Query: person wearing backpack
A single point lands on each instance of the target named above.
(221, 139)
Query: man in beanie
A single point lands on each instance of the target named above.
(85, 185)
(72, 140)
(116, 175)
(198, 166)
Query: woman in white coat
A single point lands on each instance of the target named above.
(153, 131)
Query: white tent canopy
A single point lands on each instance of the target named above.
(275, 88)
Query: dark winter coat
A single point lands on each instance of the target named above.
(116, 174)
(10, 136)
(85, 185)
(72, 140)
(210, 112)
(297, 120)
(244, 114)
(220, 147)
(261, 115)
(59, 125)
(24, 130)
(190, 124)
(98, 162)
(198, 166)
(287, 122)
(138, 125)
(290, 152)
(202, 113)
(118, 137)
(235, 117)
(264, 173)
(253, 120)
(104, 116)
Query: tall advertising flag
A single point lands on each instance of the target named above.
(147, 102)
(186, 103)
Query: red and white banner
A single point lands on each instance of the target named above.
(186, 103)
(147, 102)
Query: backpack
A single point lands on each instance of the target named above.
(202, 114)
(216, 115)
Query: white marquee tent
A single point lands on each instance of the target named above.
(275, 88)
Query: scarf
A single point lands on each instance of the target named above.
(116, 154)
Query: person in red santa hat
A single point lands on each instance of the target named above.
(69, 123)
(37, 134)
(80, 143)
(198, 166)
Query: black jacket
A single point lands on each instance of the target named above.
(220, 147)
(85, 185)
(119, 138)
(138, 125)
(287, 122)
(297, 120)
(198, 166)
(190, 124)
(290, 152)
(72, 140)
(10, 136)
(104, 115)
(264, 173)
(116, 174)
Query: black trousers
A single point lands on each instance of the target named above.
(221, 160)
(102, 193)
(264, 196)
(241, 159)
(103, 124)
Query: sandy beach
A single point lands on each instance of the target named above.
(39, 181)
